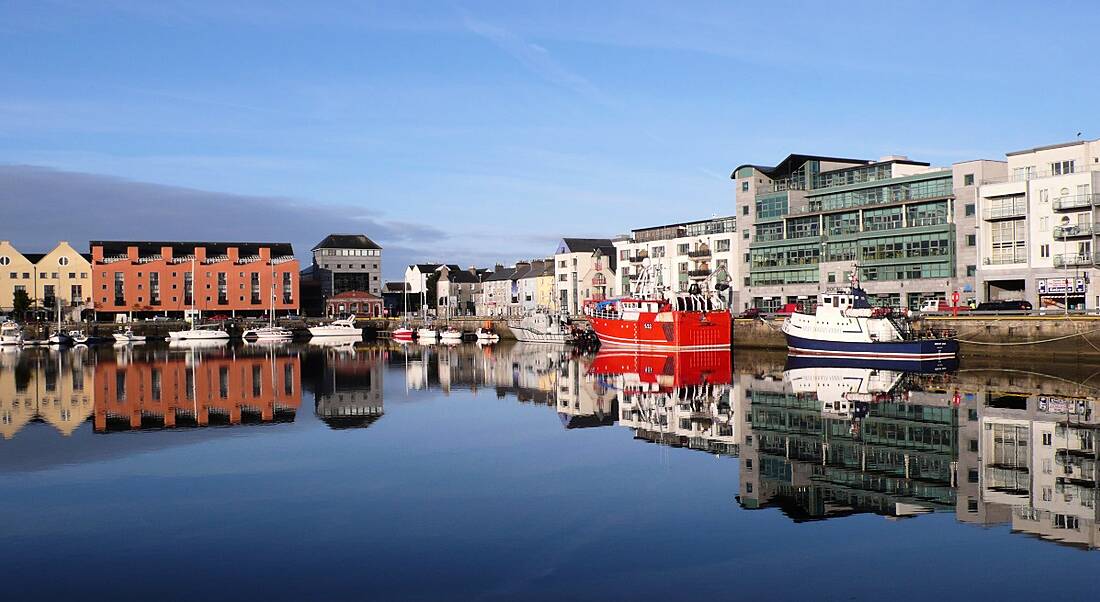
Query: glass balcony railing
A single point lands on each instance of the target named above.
(1073, 259)
(1007, 257)
(1006, 211)
(1073, 201)
(1074, 230)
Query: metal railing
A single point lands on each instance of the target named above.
(699, 253)
(1074, 259)
(1005, 212)
(1016, 256)
(1073, 201)
(1072, 230)
(1036, 174)
(699, 273)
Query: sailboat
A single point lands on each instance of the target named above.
(403, 332)
(271, 332)
(59, 337)
(127, 335)
(194, 333)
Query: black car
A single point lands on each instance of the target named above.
(1004, 306)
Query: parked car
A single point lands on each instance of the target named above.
(788, 309)
(161, 318)
(752, 312)
(1013, 305)
(219, 318)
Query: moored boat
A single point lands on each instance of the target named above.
(427, 334)
(541, 327)
(846, 326)
(404, 333)
(486, 335)
(337, 328)
(128, 336)
(693, 320)
(11, 333)
(268, 333)
(451, 334)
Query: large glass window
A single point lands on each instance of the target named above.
(1009, 241)
(926, 214)
(888, 218)
(769, 231)
(905, 191)
(803, 227)
(771, 205)
(842, 223)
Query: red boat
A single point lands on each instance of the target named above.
(686, 321)
(665, 371)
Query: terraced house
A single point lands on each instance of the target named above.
(808, 222)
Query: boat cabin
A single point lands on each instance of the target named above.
(839, 300)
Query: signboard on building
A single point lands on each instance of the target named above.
(1061, 286)
(1063, 405)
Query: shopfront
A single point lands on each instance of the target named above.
(1060, 293)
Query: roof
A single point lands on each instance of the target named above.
(501, 274)
(34, 257)
(1047, 147)
(153, 247)
(521, 271)
(394, 287)
(792, 162)
(584, 245)
(451, 267)
(354, 295)
(539, 269)
(346, 241)
(463, 276)
(426, 267)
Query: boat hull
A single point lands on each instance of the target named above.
(680, 330)
(527, 335)
(890, 353)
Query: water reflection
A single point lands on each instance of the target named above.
(43, 386)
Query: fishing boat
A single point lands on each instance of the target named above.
(651, 318)
(337, 328)
(845, 325)
(11, 333)
(541, 327)
(195, 333)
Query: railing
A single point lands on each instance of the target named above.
(1072, 230)
(116, 258)
(639, 257)
(768, 237)
(1017, 256)
(1073, 201)
(699, 253)
(698, 273)
(1035, 174)
(1073, 259)
(1006, 212)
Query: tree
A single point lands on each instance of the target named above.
(21, 303)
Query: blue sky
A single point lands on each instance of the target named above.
(480, 131)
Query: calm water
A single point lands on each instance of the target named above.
(519, 472)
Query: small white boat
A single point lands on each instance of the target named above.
(541, 327)
(337, 342)
(486, 335)
(451, 334)
(78, 337)
(338, 328)
(427, 334)
(199, 334)
(11, 333)
(128, 336)
(269, 333)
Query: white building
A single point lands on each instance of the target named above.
(584, 270)
(1038, 227)
(698, 252)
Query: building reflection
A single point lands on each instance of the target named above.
(348, 393)
(189, 388)
(45, 386)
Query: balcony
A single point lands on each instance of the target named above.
(639, 257)
(1074, 230)
(703, 273)
(1007, 258)
(1074, 201)
(1073, 259)
(1005, 212)
(700, 253)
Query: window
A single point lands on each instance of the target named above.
(832, 277)
(722, 246)
(682, 249)
(971, 271)
(969, 209)
(745, 234)
(971, 240)
(659, 251)
(5, 260)
(1044, 250)
(745, 210)
(968, 179)
(1048, 439)
(745, 186)
(120, 289)
(1061, 167)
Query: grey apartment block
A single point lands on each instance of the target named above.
(347, 262)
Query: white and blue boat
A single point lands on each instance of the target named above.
(846, 326)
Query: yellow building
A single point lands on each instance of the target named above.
(544, 287)
(63, 274)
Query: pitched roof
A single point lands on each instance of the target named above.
(34, 257)
(582, 245)
(426, 267)
(501, 274)
(463, 276)
(521, 271)
(346, 241)
(354, 295)
(394, 287)
(153, 247)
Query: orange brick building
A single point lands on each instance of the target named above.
(229, 277)
(215, 390)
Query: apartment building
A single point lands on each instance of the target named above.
(1038, 227)
(234, 278)
(347, 262)
(61, 276)
(810, 221)
(699, 252)
(456, 290)
(584, 270)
